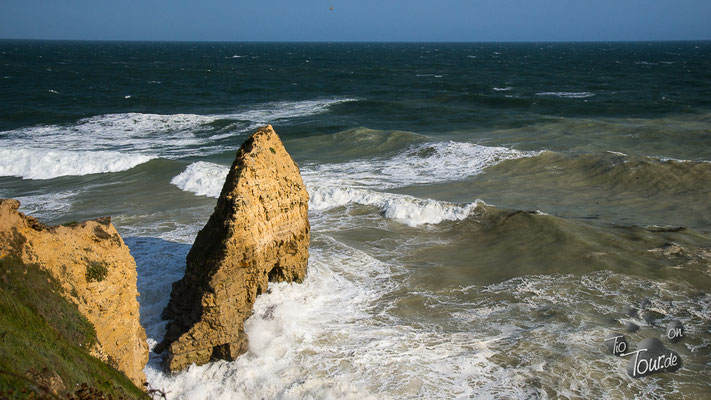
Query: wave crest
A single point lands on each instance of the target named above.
(419, 164)
(406, 209)
(362, 181)
(48, 164)
(202, 178)
(116, 142)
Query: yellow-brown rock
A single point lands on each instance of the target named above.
(97, 273)
(259, 232)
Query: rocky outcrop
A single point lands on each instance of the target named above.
(259, 232)
(96, 272)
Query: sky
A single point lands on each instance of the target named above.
(357, 20)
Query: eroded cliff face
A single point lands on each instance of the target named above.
(96, 271)
(259, 232)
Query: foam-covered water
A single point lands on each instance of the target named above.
(206, 179)
(118, 142)
(40, 163)
(357, 182)
(416, 287)
(355, 329)
(202, 178)
(419, 164)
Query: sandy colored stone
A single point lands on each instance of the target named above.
(259, 232)
(96, 271)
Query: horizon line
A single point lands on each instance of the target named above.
(356, 41)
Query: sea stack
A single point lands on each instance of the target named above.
(96, 272)
(258, 233)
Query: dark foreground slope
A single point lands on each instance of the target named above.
(45, 342)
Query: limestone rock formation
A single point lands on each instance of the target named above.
(96, 271)
(259, 232)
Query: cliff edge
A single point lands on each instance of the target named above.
(95, 271)
(259, 232)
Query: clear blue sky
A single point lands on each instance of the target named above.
(357, 20)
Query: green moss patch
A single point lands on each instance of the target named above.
(96, 271)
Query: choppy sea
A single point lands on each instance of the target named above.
(483, 215)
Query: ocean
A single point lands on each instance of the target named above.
(483, 215)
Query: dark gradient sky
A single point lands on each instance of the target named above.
(357, 20)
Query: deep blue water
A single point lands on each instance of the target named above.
(432, 88)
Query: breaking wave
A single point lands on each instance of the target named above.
(202, 178)
(206, 179)
(116, 142)
(48, 164)
(408, 210)
(419, 164)
(361, 182)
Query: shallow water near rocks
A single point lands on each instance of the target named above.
(479, 225)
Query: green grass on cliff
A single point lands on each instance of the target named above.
(42, 335)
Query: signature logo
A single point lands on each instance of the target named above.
(651, 355)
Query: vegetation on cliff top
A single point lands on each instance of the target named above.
(45, 341)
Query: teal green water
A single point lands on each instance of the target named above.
(482, 214)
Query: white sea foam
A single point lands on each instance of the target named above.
(295, 330)
(567, 95)
(206, 179)
(202, 178)
(132, 134)
(419, 164)
(46, 206)
(115, 142)
(48, 164)
(402, 208)
(502, 89)
(328, 338)
(346, 332)
(362, 181)
(268, 112)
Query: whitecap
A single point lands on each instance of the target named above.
(124, 140)
(419, 164)
(405, 209)
(268, 112)
(567, 95)
(206, 179)
(32, 163)
(202, 178)
(364, 181)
